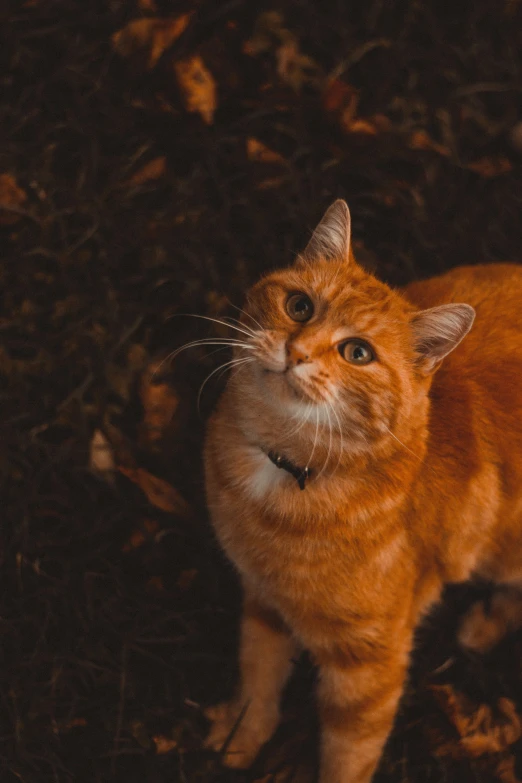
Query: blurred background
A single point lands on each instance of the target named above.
(155, 158)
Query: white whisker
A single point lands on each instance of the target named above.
(249, 332)
(211, 353)
(206, 341)
(247, 315)
(400, 441)
(238, 369)
(224, 368)
(329, 439)
(315, 438)
(233, 321)
(341, 436)
(300, 424)
(232, 362)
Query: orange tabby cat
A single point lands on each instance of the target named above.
(353, 467)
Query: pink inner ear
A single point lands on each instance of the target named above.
(439, 330)
(331, 239)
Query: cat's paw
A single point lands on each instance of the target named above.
(480, 630)
(255, 727)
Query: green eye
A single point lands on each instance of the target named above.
(356, 352)
(299, 307)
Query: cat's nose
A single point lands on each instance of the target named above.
(295, 356)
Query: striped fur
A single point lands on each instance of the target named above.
(416, 481)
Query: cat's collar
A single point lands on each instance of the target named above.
(300, 474)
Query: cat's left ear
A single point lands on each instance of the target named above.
(437, 331)
(331, 238)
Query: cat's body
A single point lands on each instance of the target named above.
(411, 486)
(476, 428)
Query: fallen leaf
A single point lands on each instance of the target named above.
(491, 167)
(341, 98)
(146, 531)
(293, 67)
(421, 140)
(381, 122)
(186, 578)
(154, 35)
(160, 403)
(260, 153)
(270, 183)
(101, 459)
(269, 32)
(164, 744)
(148, 6)
(159, 492)
(152, 170)
(197, 86)
(364, 127)
(505, 770)
(136, 540)
(11, 197)
(482, 729)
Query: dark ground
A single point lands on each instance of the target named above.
(117, 619)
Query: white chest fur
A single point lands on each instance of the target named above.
(263, 477)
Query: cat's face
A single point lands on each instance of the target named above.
(333, 344)
(334, 341)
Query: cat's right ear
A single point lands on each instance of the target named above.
(331, 238)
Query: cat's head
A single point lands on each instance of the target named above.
(333, 341)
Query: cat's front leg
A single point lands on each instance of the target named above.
(266, 652)
(358, 702)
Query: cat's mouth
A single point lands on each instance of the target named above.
(303, 386)
(298, 387)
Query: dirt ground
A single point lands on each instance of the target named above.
(155, 158)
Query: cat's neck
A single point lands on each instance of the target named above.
(317, 442)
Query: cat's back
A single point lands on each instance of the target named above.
(475, 430)
(494, 344)
(494, 290)
(478, 385)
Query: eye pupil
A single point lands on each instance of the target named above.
(358, 352)
(299, 307)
